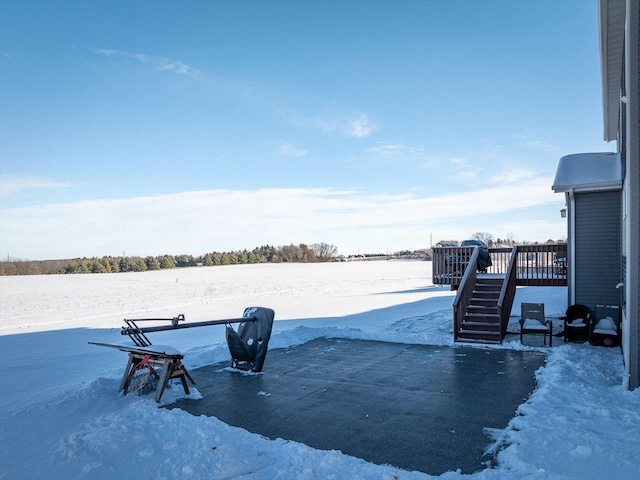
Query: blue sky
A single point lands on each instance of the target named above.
(188, 127)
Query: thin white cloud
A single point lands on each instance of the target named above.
(396, 151)
(540, 145)
(386, 150)
(461, 169)
(527, 140)
(359, 127)
(202, 221)
(158, 63)
(458, 161)
(514, 175)
(12, 184)
(445, 161)
(289, 150)
(356, 126)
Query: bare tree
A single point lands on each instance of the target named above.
(485, 237)
(510, 240)
(324, 251)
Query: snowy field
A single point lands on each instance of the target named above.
(62, 418)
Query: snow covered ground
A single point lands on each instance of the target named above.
(62, 418)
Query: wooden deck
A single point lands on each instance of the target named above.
(482, 306)
(535, 265)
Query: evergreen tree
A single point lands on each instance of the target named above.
(98, 267)
(167, 261)
(152, 263)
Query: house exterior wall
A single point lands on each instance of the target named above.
(597, 248)
(631, 311)
(620, 61)
(628, 139)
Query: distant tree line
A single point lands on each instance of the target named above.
(318, 252)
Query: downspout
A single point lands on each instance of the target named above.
(571, 247)
(632, 127)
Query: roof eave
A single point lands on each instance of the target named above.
(588, 187)
(602, 26)
(611, 21)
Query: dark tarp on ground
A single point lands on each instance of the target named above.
(416, 407)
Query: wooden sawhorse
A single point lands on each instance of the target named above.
(154, 357)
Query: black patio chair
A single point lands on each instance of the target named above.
(577, 323)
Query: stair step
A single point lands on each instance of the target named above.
(492, 295)
(494, 280)
(480, 341)
(487, 287)
(488, 312)
(485, 312)
(483, 302)
(480, 326)
(482, 317)
(483, 309)
(483, 336)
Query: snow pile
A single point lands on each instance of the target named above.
(59, 401)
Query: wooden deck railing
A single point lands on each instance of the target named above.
(463, 297)
(449, 264)
(507, 294)
(542, 265)
(535, 265)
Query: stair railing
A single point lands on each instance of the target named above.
(507, 293)
(465, 291)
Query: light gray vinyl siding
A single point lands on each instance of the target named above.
(637, 207)
(597, 248)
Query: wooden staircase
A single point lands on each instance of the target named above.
(481, 321)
